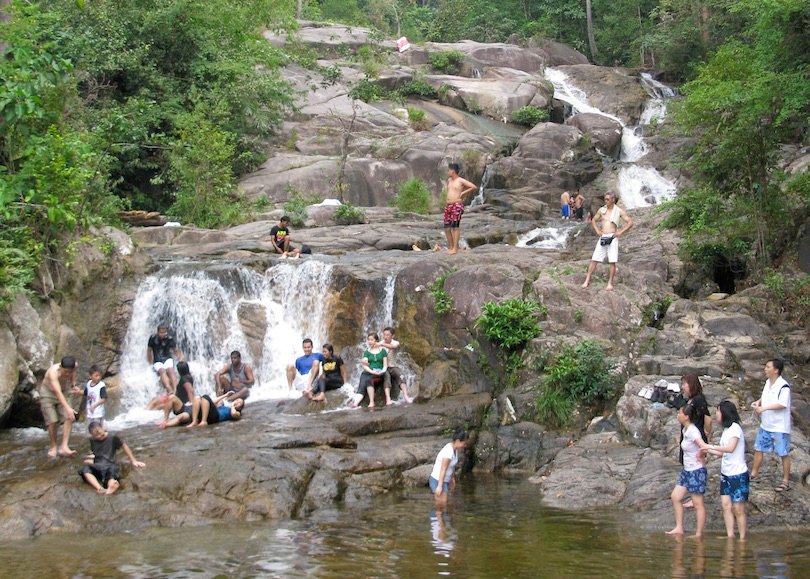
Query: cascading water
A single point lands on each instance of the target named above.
(202, 308)
(546, 237)
(479, 198)
(639, 186)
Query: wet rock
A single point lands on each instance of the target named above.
(603, 131)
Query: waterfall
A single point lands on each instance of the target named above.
(546, 237)
(479, 198)
(201, 308)
(638, 186)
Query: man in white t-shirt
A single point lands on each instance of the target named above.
(773, 408)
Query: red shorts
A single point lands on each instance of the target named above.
(453, 213)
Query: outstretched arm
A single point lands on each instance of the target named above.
(131, 457)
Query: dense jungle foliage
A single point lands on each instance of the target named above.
(164, 104)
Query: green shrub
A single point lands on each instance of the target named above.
(446, 62)
(789, 296)
(413, 197)
(442, 301)
(417, 119)
(367, 91)
(653, 314)
(348, 214)
(296, 206)
(579, 375)
(418, 87)
(511, 323)
(529, 116)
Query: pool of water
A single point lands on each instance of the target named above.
(493, 528)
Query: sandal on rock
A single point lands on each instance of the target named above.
(782, 487)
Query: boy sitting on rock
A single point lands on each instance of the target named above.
(100, 470)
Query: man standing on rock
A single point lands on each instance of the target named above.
(606, 223)
(773, 408)
(457, 188)
(57, 386)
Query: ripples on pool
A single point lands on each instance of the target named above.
(493, 528)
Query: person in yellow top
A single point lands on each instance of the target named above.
(607, 223)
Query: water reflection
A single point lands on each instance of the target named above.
(494, 528)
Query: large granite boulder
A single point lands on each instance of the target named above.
(610, 90)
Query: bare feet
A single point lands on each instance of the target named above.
(112, 486)
(586, 283)
(203, 423)
(65, 452)
(609, 287)
(451, 252)
(52, 452)
(388, 403)
(101, 491)
(191, 425)
(371, 404)
(415, 247)
(161, 424)
(675, 531)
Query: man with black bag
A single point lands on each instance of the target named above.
(606, 223)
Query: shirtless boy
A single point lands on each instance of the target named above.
(59, 385)
(457, 188)
(606, 225)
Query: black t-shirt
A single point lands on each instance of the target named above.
(104, 450)
(280, 235)
(181, 390)
(162, 348)
(331, 370)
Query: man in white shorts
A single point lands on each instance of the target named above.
(302, 374)
(162, 353)
(607, 225)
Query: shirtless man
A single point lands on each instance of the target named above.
(234, 379)
(457, 188)
(565, 205)
(579, 207)
(59, 380)
(606, 225)
(394, 373)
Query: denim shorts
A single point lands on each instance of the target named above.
(694, 480)
(778, 442)
(735, 486)
(434, 484)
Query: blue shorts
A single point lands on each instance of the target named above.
(778, 442)
(694, 480)
(735, 486)
(434, 484)
(565, 211)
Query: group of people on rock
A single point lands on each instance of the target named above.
(773, 408)
(316, 373)
(572, 206)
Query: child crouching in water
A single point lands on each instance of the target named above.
(101, 470)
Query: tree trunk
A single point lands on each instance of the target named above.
(299, 11)
(591, 39)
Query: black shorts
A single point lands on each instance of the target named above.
(103, 474)
(213, 412)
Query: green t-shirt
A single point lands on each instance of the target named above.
(375, 361)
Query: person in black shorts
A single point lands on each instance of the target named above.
(333, 375)
(100, 470)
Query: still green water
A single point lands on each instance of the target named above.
(493, 528)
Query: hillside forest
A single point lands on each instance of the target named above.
(164, 104)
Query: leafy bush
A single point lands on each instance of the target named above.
(413, 197)
(579, 375)
(367, 91)
(447, 61)
(529, 116)
(348, 214)
(417, 119)
(442, 301)
(789, 296)
(511, 323)
(296, 206)
(418, 87)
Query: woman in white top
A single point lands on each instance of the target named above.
(693, 476)
(734, 482)
(445, 466)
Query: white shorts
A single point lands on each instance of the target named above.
(167, 365)
(301, 381)
(610, 251)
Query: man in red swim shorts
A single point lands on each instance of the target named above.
(457, 188)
